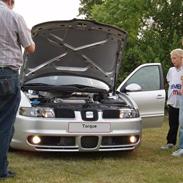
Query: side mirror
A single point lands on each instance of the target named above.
(133, 87)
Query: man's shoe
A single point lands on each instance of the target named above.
(178, 153)
(9, 175)
(167, 146)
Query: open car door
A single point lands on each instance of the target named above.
(146, 86)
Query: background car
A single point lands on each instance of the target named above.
(69, 101)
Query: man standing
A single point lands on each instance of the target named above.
(13, 35)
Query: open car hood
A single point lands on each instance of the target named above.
(75, 48)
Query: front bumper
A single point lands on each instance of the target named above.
(55, 136)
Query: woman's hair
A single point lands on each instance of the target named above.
(177, 51)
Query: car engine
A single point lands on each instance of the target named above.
(75, 99)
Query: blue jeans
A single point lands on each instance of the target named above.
(181, 123)
(9, 102)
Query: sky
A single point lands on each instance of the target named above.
(38, 11)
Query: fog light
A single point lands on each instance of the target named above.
(36, 139)
(133, 139)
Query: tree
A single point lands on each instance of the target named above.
(125, 14)
(165, 30)
(86, 7)
(155, 27)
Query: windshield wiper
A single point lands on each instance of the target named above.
(65, 88)
(48, 87)
(37, 84)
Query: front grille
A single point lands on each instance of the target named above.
(64, 113)
(54, 141)
(89, 141)
(93, 116)
(111, 114)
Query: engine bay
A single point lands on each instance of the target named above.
(79, 100)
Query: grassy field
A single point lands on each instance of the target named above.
(147, 164)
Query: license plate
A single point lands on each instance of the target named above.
(89, 127)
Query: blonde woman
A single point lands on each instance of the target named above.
(174, 91)
(179, 152)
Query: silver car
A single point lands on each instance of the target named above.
(69, 101)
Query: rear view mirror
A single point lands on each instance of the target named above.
(133, 87)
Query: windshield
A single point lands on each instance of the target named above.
(69, 80)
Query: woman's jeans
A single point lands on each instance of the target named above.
(181, 123)
(9, 102)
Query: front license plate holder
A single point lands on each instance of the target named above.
(89, 127)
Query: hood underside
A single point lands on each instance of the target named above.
(75, 48)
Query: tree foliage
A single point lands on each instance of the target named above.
(166, 29)
(86, 7)
(155, 27)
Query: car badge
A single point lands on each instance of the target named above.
(89, 115)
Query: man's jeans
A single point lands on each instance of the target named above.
(9, 102)
(181, 123)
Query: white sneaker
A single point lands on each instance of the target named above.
(178, 153)
(167, 146)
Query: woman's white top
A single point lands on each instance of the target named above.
(174, 77)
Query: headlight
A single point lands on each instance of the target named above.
(43, 112)
(129, 113)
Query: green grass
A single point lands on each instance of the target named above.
(147, 164)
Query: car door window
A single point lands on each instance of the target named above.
(147, 77)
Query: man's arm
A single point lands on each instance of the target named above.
(25, 36)
(30, 49)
